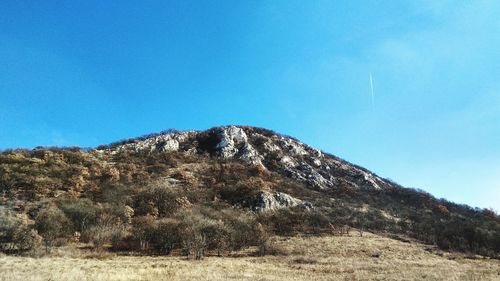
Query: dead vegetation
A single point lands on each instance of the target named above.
(346, 257)
(150, 201)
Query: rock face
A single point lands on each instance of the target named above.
(268, 201)
(271, 151)
(167, 142)
(233, 141)
(228, 139)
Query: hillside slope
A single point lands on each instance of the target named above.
(285, 185)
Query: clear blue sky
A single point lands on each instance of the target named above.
(91, 72)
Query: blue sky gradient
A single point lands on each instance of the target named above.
(94, 72)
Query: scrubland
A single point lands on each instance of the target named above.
(348, 257)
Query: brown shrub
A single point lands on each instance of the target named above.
(51, 224)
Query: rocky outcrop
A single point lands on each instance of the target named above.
(269, 150)
(167, 142)
(233, 141)
(268, 201)
(229, 138)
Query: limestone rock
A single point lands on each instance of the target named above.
(229, 137)
(268, 201)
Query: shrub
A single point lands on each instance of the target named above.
(52, 225)
(262, 236)
(16, 234)
(242, 225)
(194, 230)
(166, 236)
(316, 221)
(283, 221)
(271, 247)
(106, 229)
(159, 200)
(83, 213)
(8, 223)
(218, 236)
(143, 230)
(243, 192)
(26, 238)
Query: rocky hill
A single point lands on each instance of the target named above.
(282, 154)
(284, 184)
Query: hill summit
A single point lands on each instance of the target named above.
(264, 148)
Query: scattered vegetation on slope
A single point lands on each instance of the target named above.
(192, 203)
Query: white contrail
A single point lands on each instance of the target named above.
(371, 87)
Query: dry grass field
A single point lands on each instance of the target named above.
(370, 257)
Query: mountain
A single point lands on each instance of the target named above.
(286, 185)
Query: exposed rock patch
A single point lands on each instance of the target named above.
(268, 201)
(229, 137)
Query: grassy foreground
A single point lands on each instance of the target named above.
(370, 257)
